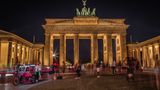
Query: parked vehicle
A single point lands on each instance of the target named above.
(25, 74)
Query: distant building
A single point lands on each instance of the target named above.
(146, 52)
(14, 49)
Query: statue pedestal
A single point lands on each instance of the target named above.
(85, 20)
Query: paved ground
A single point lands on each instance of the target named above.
(105, 82)
(143, 81)
(10, 86)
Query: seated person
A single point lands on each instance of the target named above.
(27, 74)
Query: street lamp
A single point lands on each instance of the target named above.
(54, 55)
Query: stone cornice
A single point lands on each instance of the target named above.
(12, 37)
(4, 34)
(145, 43)
(150, 41)
(40, 46)
(84, 29)
(85, 21)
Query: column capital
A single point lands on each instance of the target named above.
(76, 34)
(123, 34)
(94, 33)
(107, 34)
(46, 34)
(62, 33)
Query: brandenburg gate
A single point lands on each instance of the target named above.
(85, 25)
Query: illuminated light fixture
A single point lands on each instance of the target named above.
(54, 55)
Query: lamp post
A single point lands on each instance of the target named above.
(55, 56)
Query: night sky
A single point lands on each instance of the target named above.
(25, 18)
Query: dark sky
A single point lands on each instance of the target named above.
(25, 18)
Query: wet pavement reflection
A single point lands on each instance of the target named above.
(8, 86)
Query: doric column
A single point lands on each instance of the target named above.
(33, 56)
(138, 55)
(108, 55)
(41, 56)
(76, 49)
(51, 49)
(15, 46)
(9, 62)
(47, 49)
(105, 49)
(123, 47)
(158, 51)
(0, 56)
(153, 56)
(4, 53)
(30, 55)
(149, 54)
(37, 56)
(145, 56)
(20, 53)
(62, 49)
(23, 54)
(94, 48)
(27, 55)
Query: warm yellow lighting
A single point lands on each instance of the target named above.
(13, 46)
(156, 46)
(150, 47)
(18, 47)
(54, 55)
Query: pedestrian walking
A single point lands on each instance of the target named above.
(98, 70)
(113, 67)
(130, 69)
(78, 71)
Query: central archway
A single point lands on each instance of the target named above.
(84, 51)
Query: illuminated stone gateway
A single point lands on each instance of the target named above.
(85, 26)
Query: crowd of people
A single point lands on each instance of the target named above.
(95, 69)
(127, 67)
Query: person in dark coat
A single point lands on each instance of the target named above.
(130, 69)
(78, 70)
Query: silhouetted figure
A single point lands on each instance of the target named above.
(78, 70)
(130, 69)
(113, 67)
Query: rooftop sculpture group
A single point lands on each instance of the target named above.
(85, 11)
